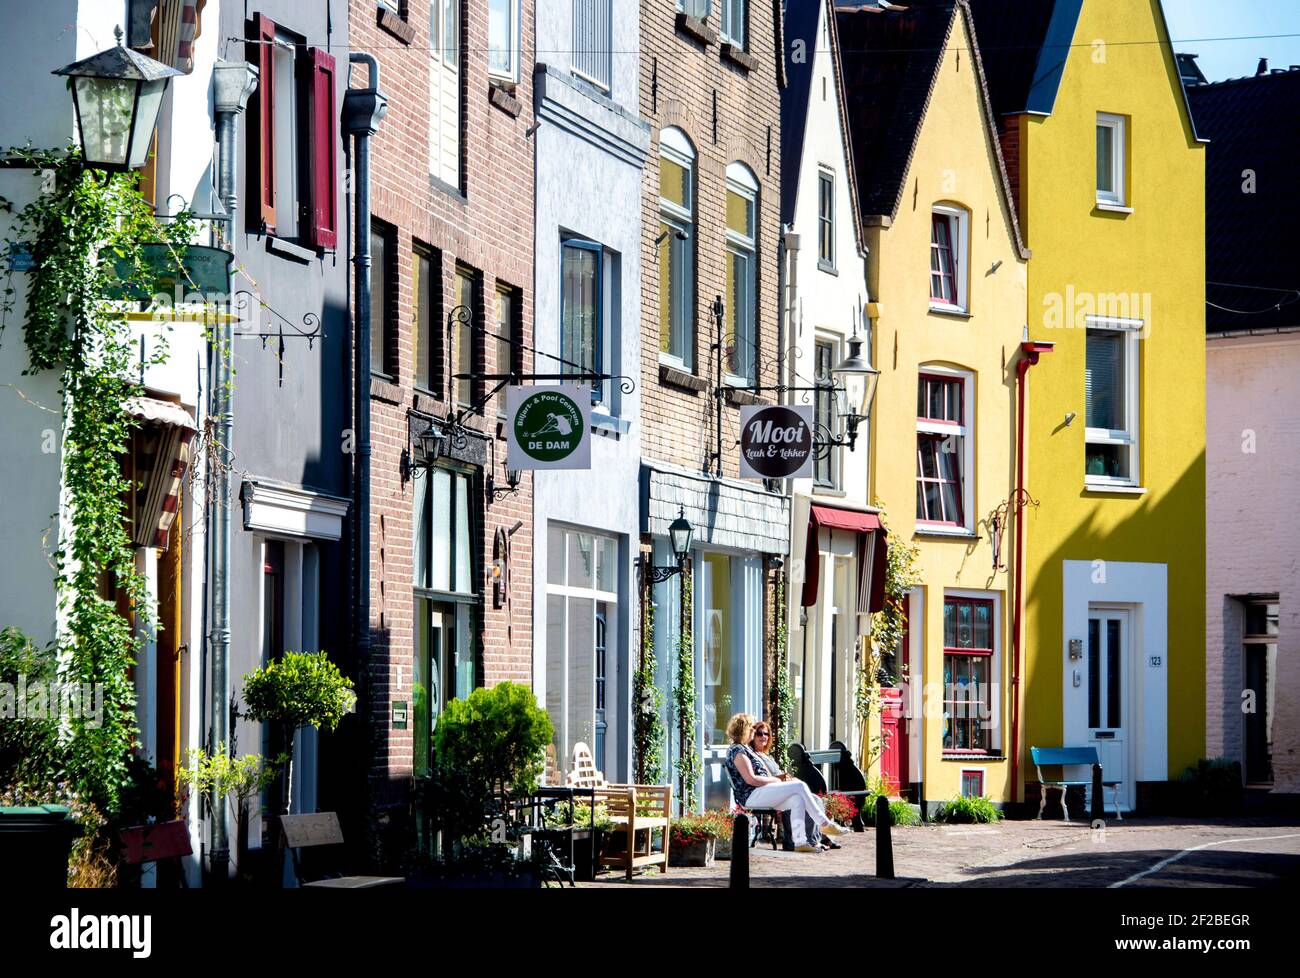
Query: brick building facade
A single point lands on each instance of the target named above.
(710, 88)
(452, 205)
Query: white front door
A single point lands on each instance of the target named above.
(1108, 670)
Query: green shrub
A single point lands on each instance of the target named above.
(968, 811)
(498, 735)
(902, 813)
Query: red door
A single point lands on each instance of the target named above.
(893, 732)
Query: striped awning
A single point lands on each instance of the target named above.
(872, 551)
(161, 453)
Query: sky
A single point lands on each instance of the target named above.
(1193, 22)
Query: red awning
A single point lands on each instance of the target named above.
(872, 550)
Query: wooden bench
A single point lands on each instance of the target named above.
(633, 808)
(1063, 757)
(156, 843)
(322, 829)
(846, 778)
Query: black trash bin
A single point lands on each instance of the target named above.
(35, 842)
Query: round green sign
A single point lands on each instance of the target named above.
(548, 426)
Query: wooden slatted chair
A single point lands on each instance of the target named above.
(637, 811)
(323, 829)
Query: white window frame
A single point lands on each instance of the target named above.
(741, 180)
(731, 9)
(675, 146)
(598, 61)
(511, 74)
(444, 58)
(1118, 125)
(836, 343)
(1128, 435)
(826, 178)
(966, 432)
(596, 596)
(288, 192)
(959, 219)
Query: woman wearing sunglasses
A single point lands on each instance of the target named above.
(754, 789)
(761, 741)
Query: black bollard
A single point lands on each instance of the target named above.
(884, 845)
(1098, 803)
(740, 852)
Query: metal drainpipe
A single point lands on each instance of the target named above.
(232, 83)
(363, 109)
(1031, 352)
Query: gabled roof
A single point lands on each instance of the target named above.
(1028, 44)
(1249, 258)
(801, 20)
(890, 59)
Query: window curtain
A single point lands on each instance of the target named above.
(1103, 380)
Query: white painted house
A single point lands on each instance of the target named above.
(823, 303)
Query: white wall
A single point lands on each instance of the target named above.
(824, 304)
(589, 156)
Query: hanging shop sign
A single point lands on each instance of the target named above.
(549, 427)
(776, 442)
(201, 271)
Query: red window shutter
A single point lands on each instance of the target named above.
(324, 152)
(264, 130)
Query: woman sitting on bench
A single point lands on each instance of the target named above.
(761, 741)
(756, 790)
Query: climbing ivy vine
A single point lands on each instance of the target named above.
(887, 627)
(648, 734)
(783, 691)
(688, 766)
(84, 231)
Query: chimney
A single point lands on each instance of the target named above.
(1262, 68)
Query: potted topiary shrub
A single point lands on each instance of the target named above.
(300, 689)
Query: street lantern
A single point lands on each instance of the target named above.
(117, 95)
(679, 536)
(432, 439)
(857, 388)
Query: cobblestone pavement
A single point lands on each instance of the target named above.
(1250, 852)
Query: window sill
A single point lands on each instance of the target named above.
(956, 312)
(604, 423)
(681, 379)
(455, 193)
(826, 267)
(956, 532)
(385, 388)
(395, 25)
(503, 99)
(288, 249)
(740, 397)
(1105, 205)
(696, 29)
(968, 756)
(738, 56)
(1128, 490)
(835, 491)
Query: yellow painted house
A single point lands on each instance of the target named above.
(1109, 178)
(947, 269)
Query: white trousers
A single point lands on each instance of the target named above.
(793, 796)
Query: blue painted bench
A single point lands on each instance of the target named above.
(1063, 757)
